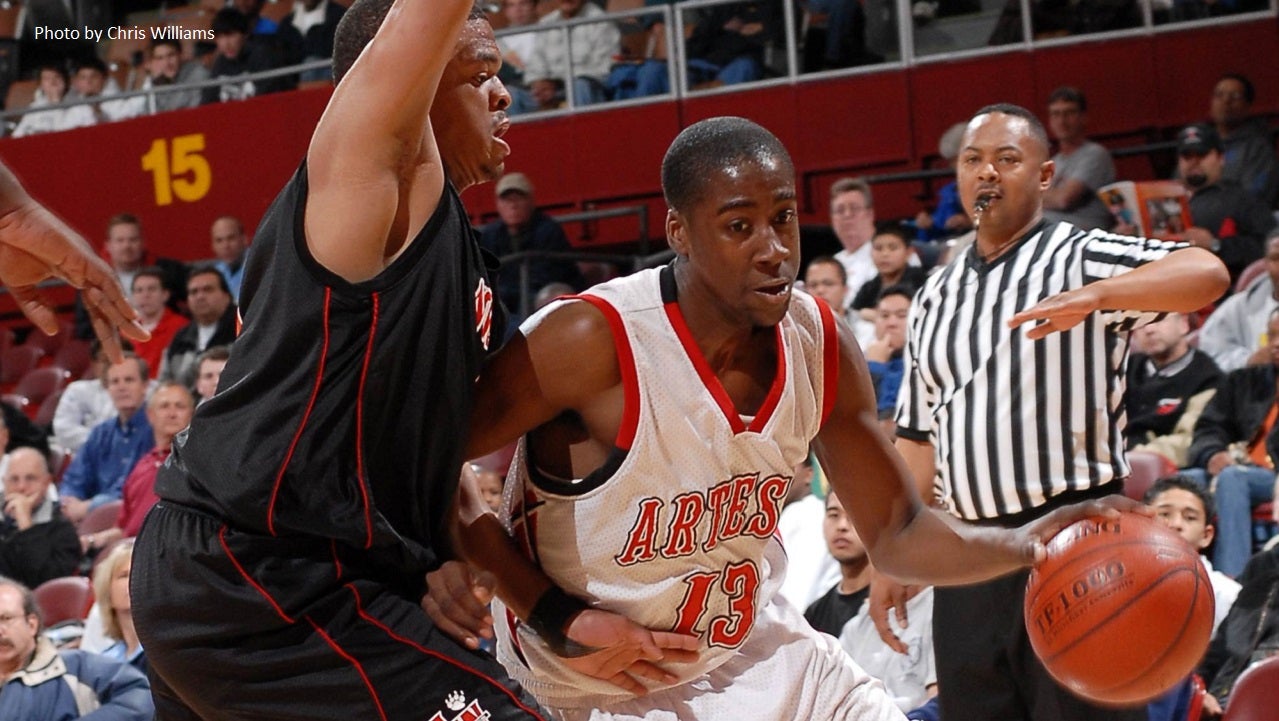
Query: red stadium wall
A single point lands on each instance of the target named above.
(180, 170)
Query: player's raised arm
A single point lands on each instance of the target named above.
(373, 166)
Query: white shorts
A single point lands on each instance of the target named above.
(785, 671)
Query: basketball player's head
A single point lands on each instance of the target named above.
(732, 219)
(468, 116)
(1004, 161)
(1186, 507)
(842, 541)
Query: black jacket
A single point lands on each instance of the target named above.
(1235, 414)
(1246, 628)
(42, 552)
(1155, 403)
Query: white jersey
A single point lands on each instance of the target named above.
(677, 531)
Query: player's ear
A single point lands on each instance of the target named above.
(676, 232)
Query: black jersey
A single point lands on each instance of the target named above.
(342, 411)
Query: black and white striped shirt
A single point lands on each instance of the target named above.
(1015, 422)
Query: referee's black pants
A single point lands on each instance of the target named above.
(241, 627)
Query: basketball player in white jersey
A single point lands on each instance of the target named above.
(665, 415)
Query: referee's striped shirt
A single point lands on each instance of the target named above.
(1013, 421)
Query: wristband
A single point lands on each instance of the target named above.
(551, 616)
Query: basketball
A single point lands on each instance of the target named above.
(1120, 611)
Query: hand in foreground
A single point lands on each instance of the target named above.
(457, 599)
(36, 246)
(885, 594)
(1034, 535)
(1060, 312)
(621, 652)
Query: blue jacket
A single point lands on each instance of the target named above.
(98, 471)
(61, 685)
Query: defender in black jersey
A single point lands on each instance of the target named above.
(281, 573)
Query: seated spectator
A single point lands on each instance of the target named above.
(230, 248)
(209, 371)
(1227, 219)
(551, 292)
(884, 354)
(728, 42)
(1249, 633)
(96, 474)
(111, 589)
(36, 543)
(1235, 334)
(310, 28)
(165, 70)
(826, 278)
(838, 30)
(40, 117)
(522, 227)
(593, 45)
(1082, 166)
(41, 682)
(1249, 155)
(239, 54)
(252, 11)
(517, 49)
(126, 250)
(168, 411)
(213, 322)
(1169, 383)
(810, 570)
(149, 298)
(837, 606)
(1235, 443)
(1188, 508)
(852, 218)
(83, 405)
(22, 431)
(890, 251)
(948, 217)
(90, 81)
(910, 679)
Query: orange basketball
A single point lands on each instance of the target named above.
(1121, 610)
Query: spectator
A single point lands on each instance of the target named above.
(890, 251)
(826, 278)
(41, 682)
(594, 45)
(1249, 154)
(40, 118)
(213, 322)
(1186, 507)
(852, 217)
(126, 249)
(1235, 334)
(22, 431)
(111, 591)
(1169, 383)
(1227, 220)
(36, 543)
(209, 371)
(837, 606)
(239, 54)
(1235, 443)
(168, 412)
(311, 27)
(884, 354)
(96, 474)
(728, 42)
(1249, 633)
(165, 69)
(948, 217)
(909, 678)
(230, 247)
(83, 405)
(522, 227)
(517, 49)
(89, 81)
(252, 12)
(1082, 166)
(149, 297)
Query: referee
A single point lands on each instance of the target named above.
(1013, 400)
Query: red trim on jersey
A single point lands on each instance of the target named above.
(256, 586)
(359, 607)
(337, 565)
(711, 381)
(359, 430)
(351, 659)
(306, 415)
(626, 364)
(830, 359)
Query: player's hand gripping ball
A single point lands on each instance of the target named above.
(1121, 610)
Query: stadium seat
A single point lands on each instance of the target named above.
(49, 343)
(1146, 469)
(100, 518)
(40, 383)
(20, 94)
(48, 407)
(64, 599)
(1255, 270)
(74, 355)
(1255, 696)
(17, 362)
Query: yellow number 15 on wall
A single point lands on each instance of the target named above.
(184, 172)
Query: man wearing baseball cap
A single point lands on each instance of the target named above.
(1227, 219)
